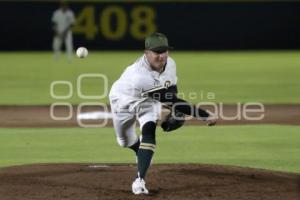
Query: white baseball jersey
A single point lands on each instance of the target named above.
(63, 19)
(128, 103)
(138, 78)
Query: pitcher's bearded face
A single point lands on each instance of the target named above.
(157, 60)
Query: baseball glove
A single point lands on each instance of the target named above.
(173, 121)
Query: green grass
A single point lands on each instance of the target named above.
(270, 147)
(264, 76)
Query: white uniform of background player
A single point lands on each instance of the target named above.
(63, 19)
(127, 102)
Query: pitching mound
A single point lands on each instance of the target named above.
(89, 182)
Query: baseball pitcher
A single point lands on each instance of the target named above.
(139, 94)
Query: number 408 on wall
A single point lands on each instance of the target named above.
(114, 22)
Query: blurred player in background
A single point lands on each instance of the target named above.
(63, 19)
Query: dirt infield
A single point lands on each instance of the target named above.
(176, 182)
(39, 116)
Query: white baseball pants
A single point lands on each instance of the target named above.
(124, 119)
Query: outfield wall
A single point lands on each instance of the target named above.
(189, 25)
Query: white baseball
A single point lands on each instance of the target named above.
(82, 52)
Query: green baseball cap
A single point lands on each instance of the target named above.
(157, 42)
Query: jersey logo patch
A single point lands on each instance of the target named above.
(167, 84)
